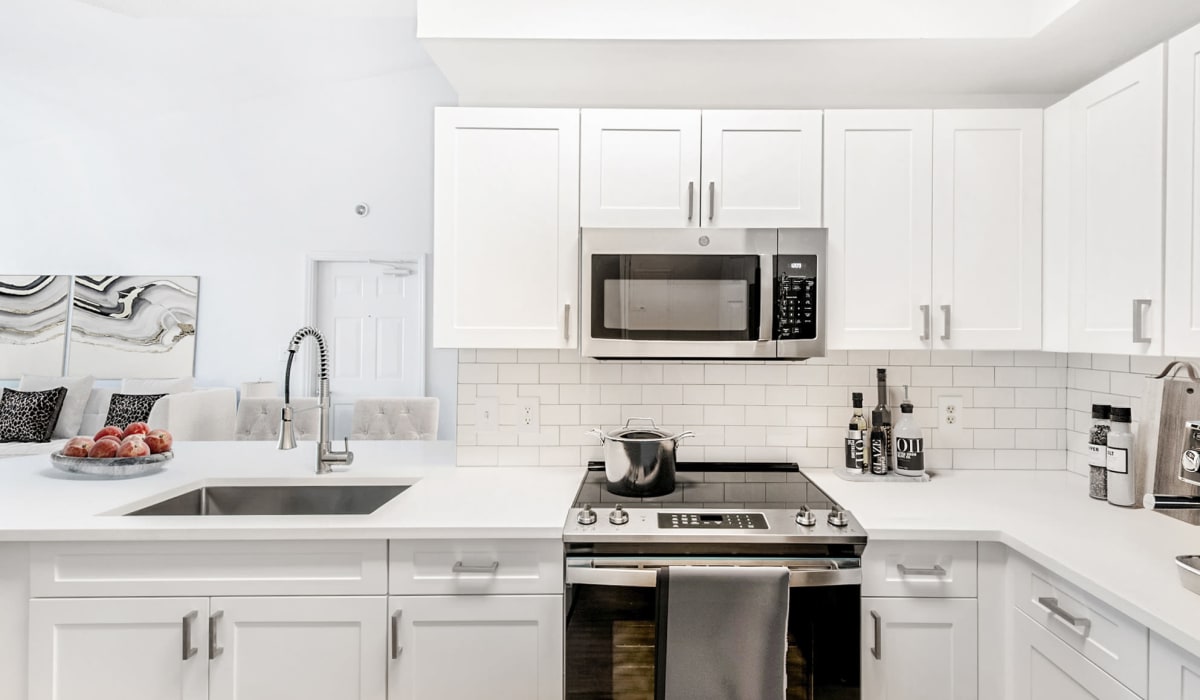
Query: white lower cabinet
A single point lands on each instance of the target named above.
(1045, 667)
(1174, 674)
(486, 646)
(118, 649)
(920, 649)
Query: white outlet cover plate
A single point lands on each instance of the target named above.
(950, 413)
(487, 413)
(528, 414)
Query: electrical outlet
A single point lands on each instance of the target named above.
(487, 413)
(950, 413)
(528, 414)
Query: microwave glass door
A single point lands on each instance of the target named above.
(676, 297)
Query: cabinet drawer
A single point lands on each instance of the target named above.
(1107, 638)
(1043, 666)
(920, 570)
(433, 567)
(108, 569)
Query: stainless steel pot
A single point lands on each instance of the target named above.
(640, 461)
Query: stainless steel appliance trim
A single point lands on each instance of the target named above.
(567, 322)
(460, 568)
(712, 198)
(1083, 624)
(188, 650)
(643, 572)
(396, 648)
(691, 198)
(945, 322)
(928, 321)
(877, 650)
(1139, 305)
(213, 650)
(766, 302)
(935, 570)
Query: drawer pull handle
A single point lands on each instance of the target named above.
(396, 648)
(1051, 604)
(877, 650)
(935, 570)
(461, 568)
(188, 650)
(213, 650)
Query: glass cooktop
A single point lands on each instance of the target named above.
(717, 485)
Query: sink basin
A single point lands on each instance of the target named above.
(276, 500)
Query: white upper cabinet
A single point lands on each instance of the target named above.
(1182, 295)
(640, 168)
(987, 228)
(761, 169)
(878, 173)
(1116, 212)
(506, 228)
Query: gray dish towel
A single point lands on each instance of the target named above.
(722, 633)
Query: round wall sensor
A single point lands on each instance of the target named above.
(362, 209)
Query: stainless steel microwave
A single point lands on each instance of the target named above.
(754, 294)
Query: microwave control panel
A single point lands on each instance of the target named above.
(796, 297)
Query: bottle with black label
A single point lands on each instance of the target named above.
(879, 450)
(855, 460)
(1098, 452)
(882, 415)
(1119, 462)
(910, 446)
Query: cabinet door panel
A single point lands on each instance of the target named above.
(506, 227)
(1116, 209)
(1174, 674)
(987, 228)
(1046, 668)
(318, 648)
(761, 168)
(476, 647)
(1182, 291)
(117, 649)
(639, 168)
(878, 172)
(927, 649)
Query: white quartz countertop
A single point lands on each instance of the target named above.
(1123, 556)
(39, 503)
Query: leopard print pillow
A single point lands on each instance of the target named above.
(124, 409)
(29, 416)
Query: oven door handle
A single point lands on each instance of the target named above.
(645, 574)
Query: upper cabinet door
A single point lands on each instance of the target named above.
(506, 228)
(761, 169)
(877, 207)
(1116, 210)
(987, 229)
(640, 168)
(1182, 311)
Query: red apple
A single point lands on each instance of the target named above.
(159, 441)
(133, 448)
(104, 449)
(136, 429)
(110, 438)
(134, 436)
(109, 430)
(78, 446)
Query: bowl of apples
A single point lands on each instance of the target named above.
(116, 453)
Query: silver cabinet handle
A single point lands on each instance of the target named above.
(928, 321)
(567, 322)
(877, 650)
(946, 321)
(188, 650)
(460, 568)
(935, 570)
(1139, 307)
(1051, 604)
(691, 198)
(712, 198)
(396, 648)
(213, 650)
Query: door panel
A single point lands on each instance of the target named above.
(927, 649)
(1182, 298)
(1174, 674)
(878, 171)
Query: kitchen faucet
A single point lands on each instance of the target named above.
(326, 455)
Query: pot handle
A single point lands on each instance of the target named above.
(598, 433)
(648, 420)
(684, 434)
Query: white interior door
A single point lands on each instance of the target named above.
(1182, 287)
(300, 648)
(925, 649)
(118, 649)
(987, 228)
(373, 317)
(877, 208)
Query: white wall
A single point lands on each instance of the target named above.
(229, 148)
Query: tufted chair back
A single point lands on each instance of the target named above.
(395, 419)
(258, 418)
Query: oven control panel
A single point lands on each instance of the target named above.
(796, 297)
(712, 521)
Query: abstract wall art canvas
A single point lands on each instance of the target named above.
(134, 326)
(33, 322)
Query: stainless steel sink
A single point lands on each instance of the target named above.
(276, 500)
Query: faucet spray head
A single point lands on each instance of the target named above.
(287, 433)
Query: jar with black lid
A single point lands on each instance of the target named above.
(1097, 451)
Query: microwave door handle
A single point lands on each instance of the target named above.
(766, 268)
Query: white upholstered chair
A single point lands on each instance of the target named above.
(395, 419)
(258, 418)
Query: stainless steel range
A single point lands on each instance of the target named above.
(721, 514)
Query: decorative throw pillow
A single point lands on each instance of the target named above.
(124, 409)
(79, 390)
(29, 416)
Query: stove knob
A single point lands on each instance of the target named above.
(587, 516)
(806, 517)
(618, 516)
(837, 517)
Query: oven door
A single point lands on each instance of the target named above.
(610, 644)
(678, 293)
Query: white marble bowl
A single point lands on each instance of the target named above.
(113, 467)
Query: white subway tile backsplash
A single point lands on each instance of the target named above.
(1016, 376)
(974, 376)
(579, 393)
(999, 398)
(1111, 363)
(1036, 398)
(811, 375)
(851, 376)
(724, 374)
(600, 373)
(560, 374)
(621, 393)
(662, 393)
(992, 358)
(518, 374)
(774, 373)
(683, 374)
(1016, 418)
(703, 394)
(745, 394)
(683, 415)
(908, 357)
(641, 374)
(477, 373)
(933, 376)
(765, 415)
(870, 358)
(725, 415)
(484, 355)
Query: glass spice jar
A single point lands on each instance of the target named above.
(1097, 455)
